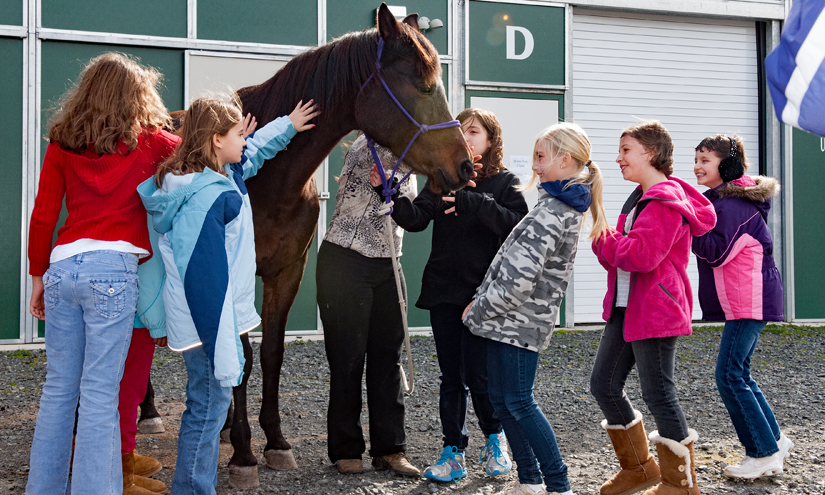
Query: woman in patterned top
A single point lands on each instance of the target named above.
(361, 315)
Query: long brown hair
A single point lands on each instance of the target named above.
(114, 100)
(204, 118)
(491, 159)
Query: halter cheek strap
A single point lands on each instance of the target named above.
(388, 190)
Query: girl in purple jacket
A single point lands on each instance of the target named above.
(648, 305)
(740, 284)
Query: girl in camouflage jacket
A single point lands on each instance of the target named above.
(516, 305)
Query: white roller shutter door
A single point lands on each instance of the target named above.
(698, 76)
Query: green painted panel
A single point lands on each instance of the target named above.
(344, 16)
(12, 13)
(512, 43)
(149, 17)
(62, 63)
(11, 141)
(259, 21)
(809, 224)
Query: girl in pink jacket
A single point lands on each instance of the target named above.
(648, 305)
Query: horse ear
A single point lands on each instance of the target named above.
(388, 27)
(412, 21)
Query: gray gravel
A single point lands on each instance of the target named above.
(789, 364)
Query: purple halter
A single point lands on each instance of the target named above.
(422, 128)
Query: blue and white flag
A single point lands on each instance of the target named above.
(795, 68)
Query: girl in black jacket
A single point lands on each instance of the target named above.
(468, 228)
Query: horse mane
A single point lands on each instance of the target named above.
(331, 74)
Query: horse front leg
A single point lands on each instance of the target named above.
(279, 294)
(243, 467)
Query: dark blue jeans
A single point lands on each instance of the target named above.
(462, 358)
(750, 413)
(655, 361)
(511, 374)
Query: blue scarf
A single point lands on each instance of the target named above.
(577, 196)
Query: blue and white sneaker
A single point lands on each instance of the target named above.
(496, 455)
(449, 467)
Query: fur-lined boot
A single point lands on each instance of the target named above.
(129, 487)
(677, 465)
(639, 469)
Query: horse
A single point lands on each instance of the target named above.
(341, 76)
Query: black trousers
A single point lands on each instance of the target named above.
(462, 358)
(359, 308)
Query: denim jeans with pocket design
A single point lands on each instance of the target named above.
(90, 303)
(511, 374)
(750, 413)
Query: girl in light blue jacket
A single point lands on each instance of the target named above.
(200, 207)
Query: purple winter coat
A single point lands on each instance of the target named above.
(737, 276)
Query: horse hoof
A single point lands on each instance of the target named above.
(243, 477)
(225, 436)
(280, 460)
(151, 425)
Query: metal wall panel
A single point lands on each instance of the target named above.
(698, 76)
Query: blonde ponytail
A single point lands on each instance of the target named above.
(596, 181)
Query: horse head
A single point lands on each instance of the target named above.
(410, 66)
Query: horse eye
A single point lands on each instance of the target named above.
(427, 90)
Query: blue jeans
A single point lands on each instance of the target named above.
(655, 361)
(750, 413)
(511, 373)
(462, 358)
(90, 303)
(196, 470)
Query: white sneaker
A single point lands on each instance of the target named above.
(516, 488)
(449, 467)
(496, 455)
(752, 468)
(785, 446)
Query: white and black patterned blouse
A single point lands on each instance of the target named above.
(356, 223)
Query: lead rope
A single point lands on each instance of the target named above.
(386, 210)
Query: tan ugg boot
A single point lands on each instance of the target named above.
(639, 469)
(129, 487)
(677, 465)
(150, 484)
(146, 466)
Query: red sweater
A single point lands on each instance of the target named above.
(101, 196)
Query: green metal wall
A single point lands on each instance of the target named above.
(809, 225)
(12, 13)
(11, 187)
(147, 17)
(259, 21)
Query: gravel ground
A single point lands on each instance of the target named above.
(789, 364)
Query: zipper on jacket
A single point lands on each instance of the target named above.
(668, 294)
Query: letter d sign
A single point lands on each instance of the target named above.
(511, 42)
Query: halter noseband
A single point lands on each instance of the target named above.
(422, 128)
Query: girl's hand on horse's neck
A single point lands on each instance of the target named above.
(302, 114)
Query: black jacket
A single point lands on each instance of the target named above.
(464, 245)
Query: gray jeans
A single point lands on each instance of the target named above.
(655, 361)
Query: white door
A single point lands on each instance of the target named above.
(698, 76)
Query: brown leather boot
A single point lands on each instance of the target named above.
(349, 466)
(146, 466)
(129, 487)
(398, 462)
(677, 465)
(639, 469)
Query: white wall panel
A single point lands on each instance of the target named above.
(698, 76)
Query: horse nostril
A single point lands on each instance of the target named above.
(465, 170)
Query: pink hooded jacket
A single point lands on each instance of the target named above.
(656, 251)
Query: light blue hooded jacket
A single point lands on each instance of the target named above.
(207, 244)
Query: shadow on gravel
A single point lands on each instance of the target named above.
(789, 365)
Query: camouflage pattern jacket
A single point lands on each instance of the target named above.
(520, 296)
